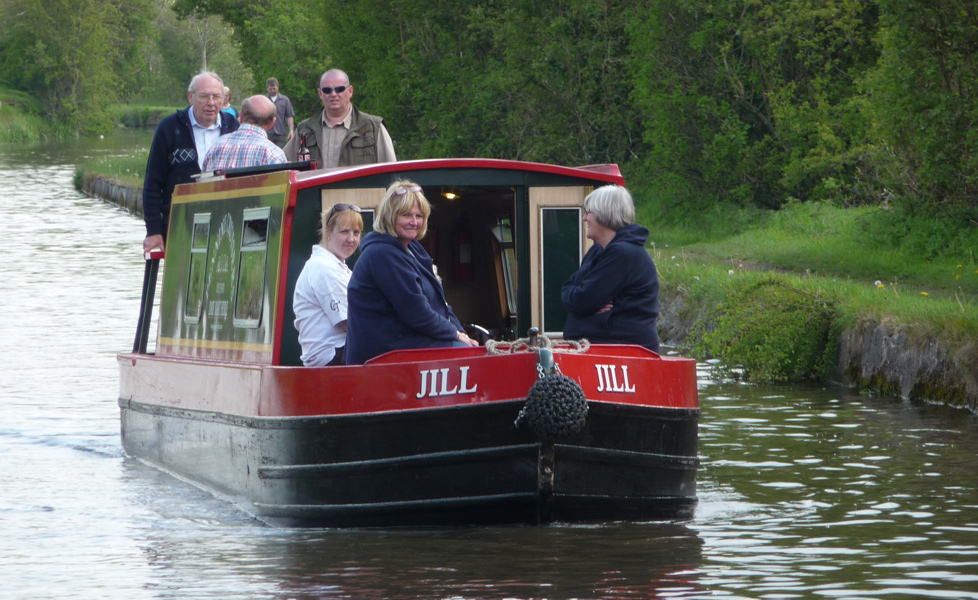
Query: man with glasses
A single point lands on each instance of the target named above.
(284, 126)
(341, 135)
(178, 149)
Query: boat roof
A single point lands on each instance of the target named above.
(608, 173)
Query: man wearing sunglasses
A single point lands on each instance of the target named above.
(341, 135)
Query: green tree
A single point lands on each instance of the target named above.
(71, 54)
(511, 79)
(753, 102)
(284, 39)
(923, 100)
(182, 47)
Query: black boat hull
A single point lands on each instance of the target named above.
(459, 465)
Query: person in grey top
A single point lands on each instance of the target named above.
(284, 115)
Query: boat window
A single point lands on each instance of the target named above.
(198, 268)
(560, 258)
(251, 268)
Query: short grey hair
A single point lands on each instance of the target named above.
(192, 88)
(612, 206)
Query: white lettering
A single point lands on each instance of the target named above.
(444, 385)
(608, 379)
(625, 388)
(439, 383)
(424, 384)
(465, 381)
(614, 387)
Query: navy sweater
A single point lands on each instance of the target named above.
(624, 275)
(395, 301)
(172, 161)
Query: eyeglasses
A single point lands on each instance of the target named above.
(414, 189)
(338, 89)
(336, 208)
(211, 97)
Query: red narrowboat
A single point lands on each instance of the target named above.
(412, 437)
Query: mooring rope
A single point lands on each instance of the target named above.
(542, 341)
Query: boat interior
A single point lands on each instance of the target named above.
(472, 241)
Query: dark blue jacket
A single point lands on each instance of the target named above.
(622, 274)
(395, 301)
(172, 161)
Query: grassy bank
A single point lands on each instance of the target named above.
(772, 292)
(124, 170)
(22, 120)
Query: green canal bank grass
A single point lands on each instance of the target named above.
(141, 115)
(128, 169)
(22, 120)
(764, 285)
(125, 170)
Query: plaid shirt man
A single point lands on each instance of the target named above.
(249, 146)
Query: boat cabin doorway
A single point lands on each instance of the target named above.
(480, 237)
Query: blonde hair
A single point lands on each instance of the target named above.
(342, 218)
(394, 205)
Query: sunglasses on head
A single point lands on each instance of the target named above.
(336, 208)
(338, 89)
(414, 189)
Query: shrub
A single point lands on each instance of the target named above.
(774, 331)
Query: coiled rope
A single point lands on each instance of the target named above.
(527, 344)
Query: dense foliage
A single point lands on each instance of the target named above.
(79, 57)
(738, 102)
(923, 99)
(284, 39)
(754, 102)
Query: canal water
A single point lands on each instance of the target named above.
(805, 492)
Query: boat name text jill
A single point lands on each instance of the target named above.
(608, 379)
(449, 382)
(439, 383)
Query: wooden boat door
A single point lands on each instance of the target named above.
(557, 244)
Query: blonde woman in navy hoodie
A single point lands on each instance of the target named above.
(614, 297)
(395, 299)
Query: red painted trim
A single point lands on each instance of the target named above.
(608, 173)
(460, 377)
(283, 269)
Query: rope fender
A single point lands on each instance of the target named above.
(555, 406)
